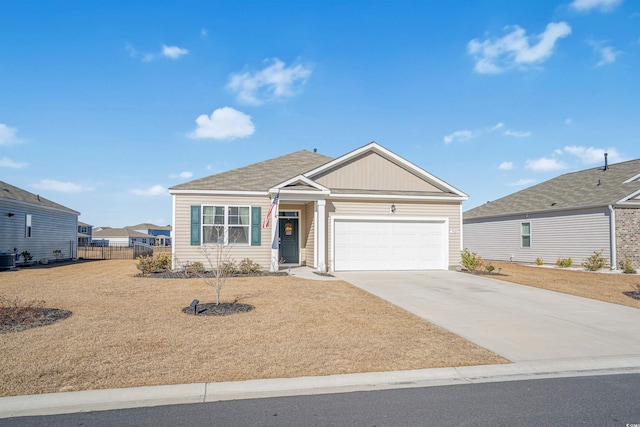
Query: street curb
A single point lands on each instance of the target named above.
(136, 397)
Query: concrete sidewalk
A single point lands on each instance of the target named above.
(100, 400)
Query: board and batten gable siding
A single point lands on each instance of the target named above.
(50, 230)
(183, 249)
(451, 211)
(371, 171)
(574, 235)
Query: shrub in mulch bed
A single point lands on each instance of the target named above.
(16, 319)
(222, 309)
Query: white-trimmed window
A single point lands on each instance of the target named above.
(28, 225)
(525, 234)
(226, 225)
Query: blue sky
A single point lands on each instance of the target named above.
(103, 106)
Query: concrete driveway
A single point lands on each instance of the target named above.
(518, 322)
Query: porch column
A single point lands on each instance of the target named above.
(321, 236)
(275, 265)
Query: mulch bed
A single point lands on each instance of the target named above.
(222, 309)
(633, 294)
(168, 274)
(32, 319)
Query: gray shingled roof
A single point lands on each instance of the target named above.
(259, 176)
(8, 191)
(149, 226)
(586, 188)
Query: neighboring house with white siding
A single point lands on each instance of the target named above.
(570, 216)
(29, 222)
(369, 209)
(108, 236)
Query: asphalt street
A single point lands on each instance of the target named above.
(610, 400)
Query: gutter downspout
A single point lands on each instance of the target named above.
(612, 237)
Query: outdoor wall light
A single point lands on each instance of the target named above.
(10, 214)
(393, 208)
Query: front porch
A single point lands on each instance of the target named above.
(298, 234)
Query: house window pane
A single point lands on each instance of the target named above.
(207, 214)
(213, 234)
(28, 228)
(526, 234)
(238, 235)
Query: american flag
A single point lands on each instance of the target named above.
(274, 204)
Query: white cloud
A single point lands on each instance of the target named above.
(522, 182)
(6, 162)
(517, 134)
(465, 135)
(173, 52)
(156, 190)
(184, 175)
(505, 166)
(224, 123)
(458, 136)
(545, 164)
(607, 54)
(204, 33)
(131, 50)
(8, 135)
(568, 121)
(588, 5)
(62, 187)
(494, 56)
(276, 81)
(591, 155)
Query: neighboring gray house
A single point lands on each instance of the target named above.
(85, 232)
(368, 209)
(29, 222)
(570, 216)
(107, 236)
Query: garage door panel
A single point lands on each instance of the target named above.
(389, 245)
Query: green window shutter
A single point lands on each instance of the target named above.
(195, 225)
(256, 217)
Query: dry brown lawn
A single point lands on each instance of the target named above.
(127, 331)
(608, 287)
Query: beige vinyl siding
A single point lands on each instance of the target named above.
(451, 211)
(51, 230)
(182, 234)
(572, 235)
(373, 172)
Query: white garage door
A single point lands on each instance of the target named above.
(389, 245)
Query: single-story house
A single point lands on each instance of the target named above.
(108, 236)
(31, 223)
(570, 216)
(369, 209)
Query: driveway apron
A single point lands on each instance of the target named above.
(519, 322)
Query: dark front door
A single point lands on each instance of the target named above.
(288, 234)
